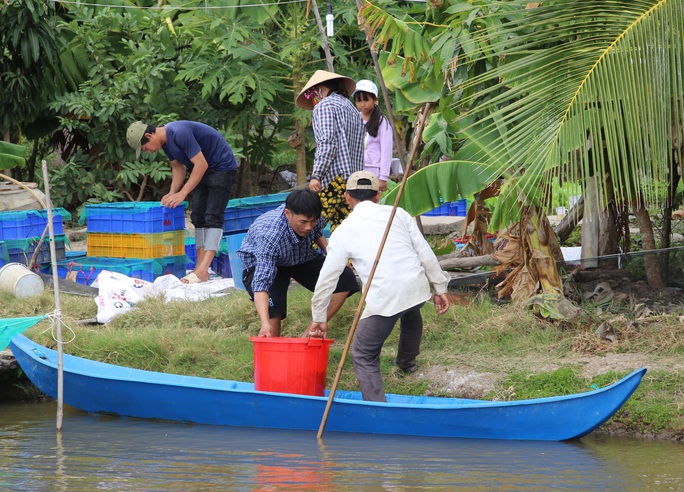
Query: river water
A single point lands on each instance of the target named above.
(95, 452)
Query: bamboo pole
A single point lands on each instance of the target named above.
(324, 38)
(366, 287)
(58, 306)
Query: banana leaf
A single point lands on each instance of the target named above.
(8, 161)
(12, 149)
(448, 180)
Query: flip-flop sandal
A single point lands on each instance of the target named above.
(191, 278)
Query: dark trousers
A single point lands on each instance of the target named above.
(370, 336)
(210, 199)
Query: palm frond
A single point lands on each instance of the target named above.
(583, 88)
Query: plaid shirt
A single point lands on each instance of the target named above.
(271, 242)
(340, 135)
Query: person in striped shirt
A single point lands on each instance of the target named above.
(340, 133)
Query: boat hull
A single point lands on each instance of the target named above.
(104, 388)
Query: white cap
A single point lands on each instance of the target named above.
(366, 86)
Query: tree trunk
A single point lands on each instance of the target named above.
(454, 262)
(243, 177)
(300, 150)
(599, 227)
(565, 227)
(608, 231)
(654, 275)
(590, 226)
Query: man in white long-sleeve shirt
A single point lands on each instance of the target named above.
(408, 274)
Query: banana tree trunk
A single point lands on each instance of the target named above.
(654, 275)
(534, 279)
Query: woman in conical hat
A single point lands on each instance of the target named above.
(339, 134)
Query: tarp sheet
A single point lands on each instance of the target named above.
(11, 327)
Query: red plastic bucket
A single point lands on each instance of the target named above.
(291, 365)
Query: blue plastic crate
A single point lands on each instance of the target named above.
(460, 207)
(173, 265)
(134, 217)
(443, 210)
(234, 243)
(86, 269)
(221, 265)
(30, 223)
(190, 252)
(241, 212)
(4, 257)
(221, 262)
(21, 250)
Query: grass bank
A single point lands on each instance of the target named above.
(479, 349)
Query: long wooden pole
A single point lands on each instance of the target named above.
(366, 287)
(58, 305)
(324, 38)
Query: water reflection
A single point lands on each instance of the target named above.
(110, 453)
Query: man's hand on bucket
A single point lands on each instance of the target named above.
(316, 330)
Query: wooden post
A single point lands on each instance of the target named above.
(321, 29)
(58, 307)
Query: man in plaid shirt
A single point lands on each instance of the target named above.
(279, 247)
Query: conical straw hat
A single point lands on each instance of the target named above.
(317, 78)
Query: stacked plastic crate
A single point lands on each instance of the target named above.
(20, 233)
(139, 239)
(457, 208)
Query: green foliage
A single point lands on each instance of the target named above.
(33, 65)
(82, 180)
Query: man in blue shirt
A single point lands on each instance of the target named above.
(279, 247)
(202, 150)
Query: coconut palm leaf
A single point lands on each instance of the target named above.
(583, 75)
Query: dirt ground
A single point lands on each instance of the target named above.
(471, 380)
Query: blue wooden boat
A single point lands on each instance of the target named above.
(104, 388)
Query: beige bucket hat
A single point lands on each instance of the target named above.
(323, 76)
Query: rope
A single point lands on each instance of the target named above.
(54, 317)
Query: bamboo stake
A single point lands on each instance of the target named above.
(324, 38)
(58, 306)
(366, 287)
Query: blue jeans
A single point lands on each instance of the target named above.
(210, 199)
